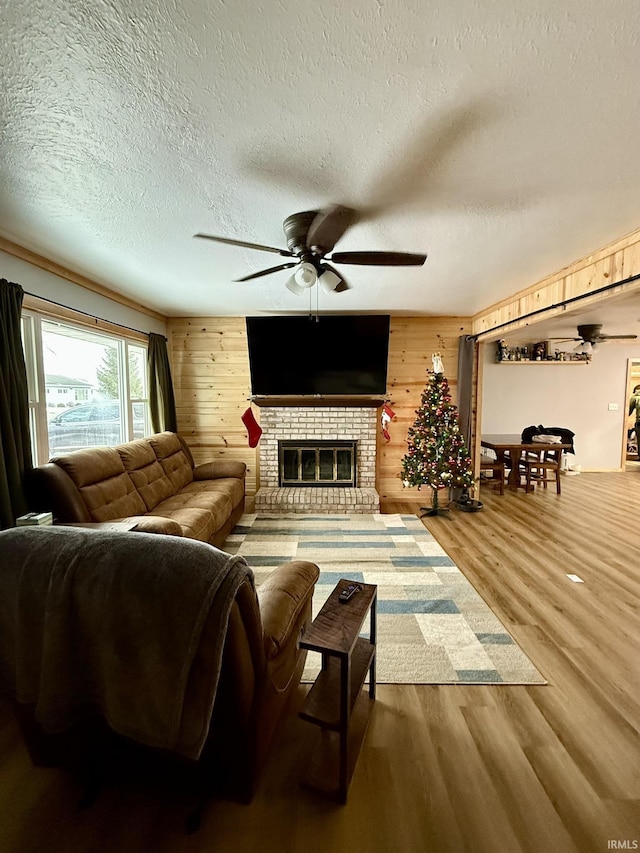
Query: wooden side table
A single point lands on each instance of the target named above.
(336, 701)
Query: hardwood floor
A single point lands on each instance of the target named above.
(544, 769)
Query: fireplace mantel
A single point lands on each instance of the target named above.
(350, 401)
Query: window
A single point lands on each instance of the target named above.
(86, 388)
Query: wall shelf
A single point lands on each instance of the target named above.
(540, 363)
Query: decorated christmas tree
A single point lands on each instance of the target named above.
(436, 453)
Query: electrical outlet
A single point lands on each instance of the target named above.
(613, 407)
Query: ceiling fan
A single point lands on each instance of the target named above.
(310, 237)
(590, 334)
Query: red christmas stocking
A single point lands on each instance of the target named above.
(387, 415)
(254, 429)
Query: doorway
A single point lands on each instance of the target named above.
(631, 440)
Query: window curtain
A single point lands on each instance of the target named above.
(161, 400)
(15, 440)
(466, 352)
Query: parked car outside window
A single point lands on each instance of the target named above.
(92, 425)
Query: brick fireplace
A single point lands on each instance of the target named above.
(320, 429)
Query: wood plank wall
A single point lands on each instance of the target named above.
(210, 371)
(412, 342)
(616, 262)
(210, 367)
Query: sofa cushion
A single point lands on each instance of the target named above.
(234, 489)
(220, 468)
(217, 504)
(195, 522)
(170, 453)
(105, 486)
(146, 472)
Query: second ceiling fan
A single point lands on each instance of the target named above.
(590, 334)
(311, 236)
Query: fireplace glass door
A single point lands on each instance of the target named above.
(317, 463)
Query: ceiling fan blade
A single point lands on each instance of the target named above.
(329, 226)
(268, 272)
(617, 337)
(379, 259)
(344, 284)
(564, 339)
(284, 252)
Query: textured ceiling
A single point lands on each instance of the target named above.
(501, 138)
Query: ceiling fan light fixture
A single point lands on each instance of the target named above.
(585, 347)
(293, 286)
(310, 235)
(303, 278)
(305, 275)
(329, 280)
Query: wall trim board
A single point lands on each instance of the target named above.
(61, 271)
(616, 262)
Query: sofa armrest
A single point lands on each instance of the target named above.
(51, 488)
(220, 468)
(154, 524)
(282, 597)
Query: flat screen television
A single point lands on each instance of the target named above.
(326, 355)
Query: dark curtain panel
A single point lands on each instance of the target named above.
(161, 400)
(466, 350)
(15, 441)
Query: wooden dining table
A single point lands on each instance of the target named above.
(512, 444)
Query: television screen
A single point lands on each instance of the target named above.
(327, 354)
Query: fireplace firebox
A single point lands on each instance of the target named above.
(317, 463)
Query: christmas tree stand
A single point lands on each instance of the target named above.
(435, 509)
(432, 511)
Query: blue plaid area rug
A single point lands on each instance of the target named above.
(433, 627)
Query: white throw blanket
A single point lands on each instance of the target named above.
(112, 621)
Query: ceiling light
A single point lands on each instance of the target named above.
(329, 280)
(294, 287)
(303, 278)
(305, 275)
(586, 348)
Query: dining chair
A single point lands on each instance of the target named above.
(542, 467)
(497, 466)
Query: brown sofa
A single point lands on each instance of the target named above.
(152, 481)
(119, 604)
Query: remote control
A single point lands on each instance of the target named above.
(348, 592)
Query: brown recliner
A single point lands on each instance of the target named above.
(261, 666)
